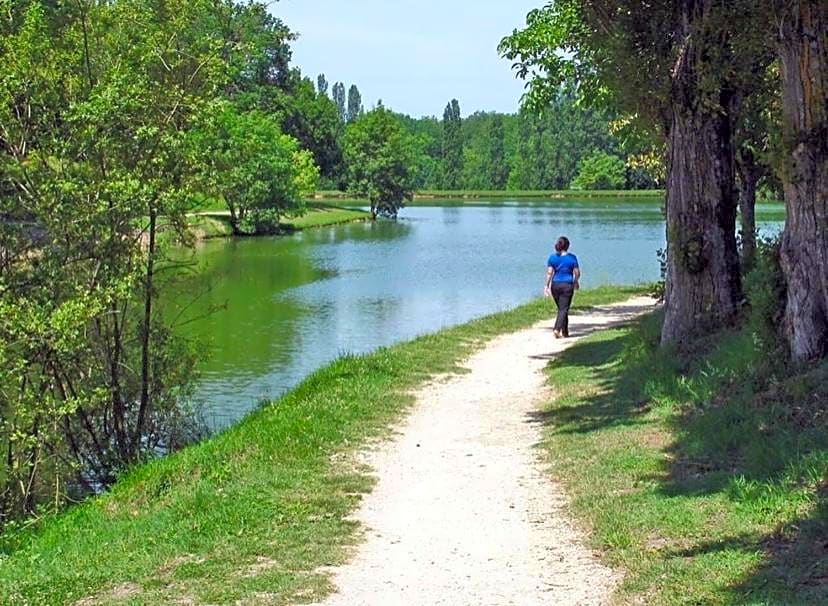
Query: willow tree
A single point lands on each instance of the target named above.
(803, 58)
(678, 68)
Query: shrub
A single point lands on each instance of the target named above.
(600, 170)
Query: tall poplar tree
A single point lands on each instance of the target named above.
(452, 146)
(339, 100)
(498, 170)
(355, 109)
(322, 84)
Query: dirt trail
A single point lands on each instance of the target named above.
(463, 513)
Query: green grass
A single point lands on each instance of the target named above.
(704, 478)
(214, 221)
(249, 515)
(205, 227)
(319, 215)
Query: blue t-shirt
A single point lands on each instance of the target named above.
(564, 266)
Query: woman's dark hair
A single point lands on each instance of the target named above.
(562, 244)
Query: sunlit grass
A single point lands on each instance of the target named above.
(320, 215)
(254, 510)
(703, 477)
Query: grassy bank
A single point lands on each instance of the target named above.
(215, 223)
(461, 194)
(249, 515)
(705, 479)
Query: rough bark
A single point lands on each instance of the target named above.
(803, 55)
(703, 283)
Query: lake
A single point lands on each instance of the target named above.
(269, 311)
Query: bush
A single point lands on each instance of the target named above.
(765, 290)
(600, 170)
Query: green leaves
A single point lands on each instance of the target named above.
(255, 168)
(600, 170)
(378, 157)
(96, 103)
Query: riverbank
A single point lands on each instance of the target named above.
(700, 478)
(256, 510)
(215, 223)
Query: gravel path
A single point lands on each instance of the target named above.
(463, 512)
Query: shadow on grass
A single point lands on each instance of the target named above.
(603, 409)
(760, 442)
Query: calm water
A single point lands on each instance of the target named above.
(271, 310)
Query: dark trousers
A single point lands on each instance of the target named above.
(562, 292)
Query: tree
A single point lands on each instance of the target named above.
(756, 134)
(452, 146)
(312, 118)
(679, 67)
(553, 142)
(498, 170)
(260, 173)
(600, 170)
(803, 58)
(355, 109)
(425, 137)
(256, 49)
(322, 84)
(96, 100)
(378, 161)
(339, 101)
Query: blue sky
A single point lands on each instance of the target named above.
(415, 56)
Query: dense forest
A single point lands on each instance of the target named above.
(567, 146)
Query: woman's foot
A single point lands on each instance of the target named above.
(557, 333)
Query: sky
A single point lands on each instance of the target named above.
(413, 55)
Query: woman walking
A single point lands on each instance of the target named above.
(562, 280)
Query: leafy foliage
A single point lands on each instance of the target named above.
(378, 156)
(259, 172)
(355, 109)
(600, 170)
(95, 104)
(452, 145)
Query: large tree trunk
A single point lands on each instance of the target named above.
(703, 284)
(803, 54)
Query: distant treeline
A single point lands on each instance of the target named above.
(566, 147)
